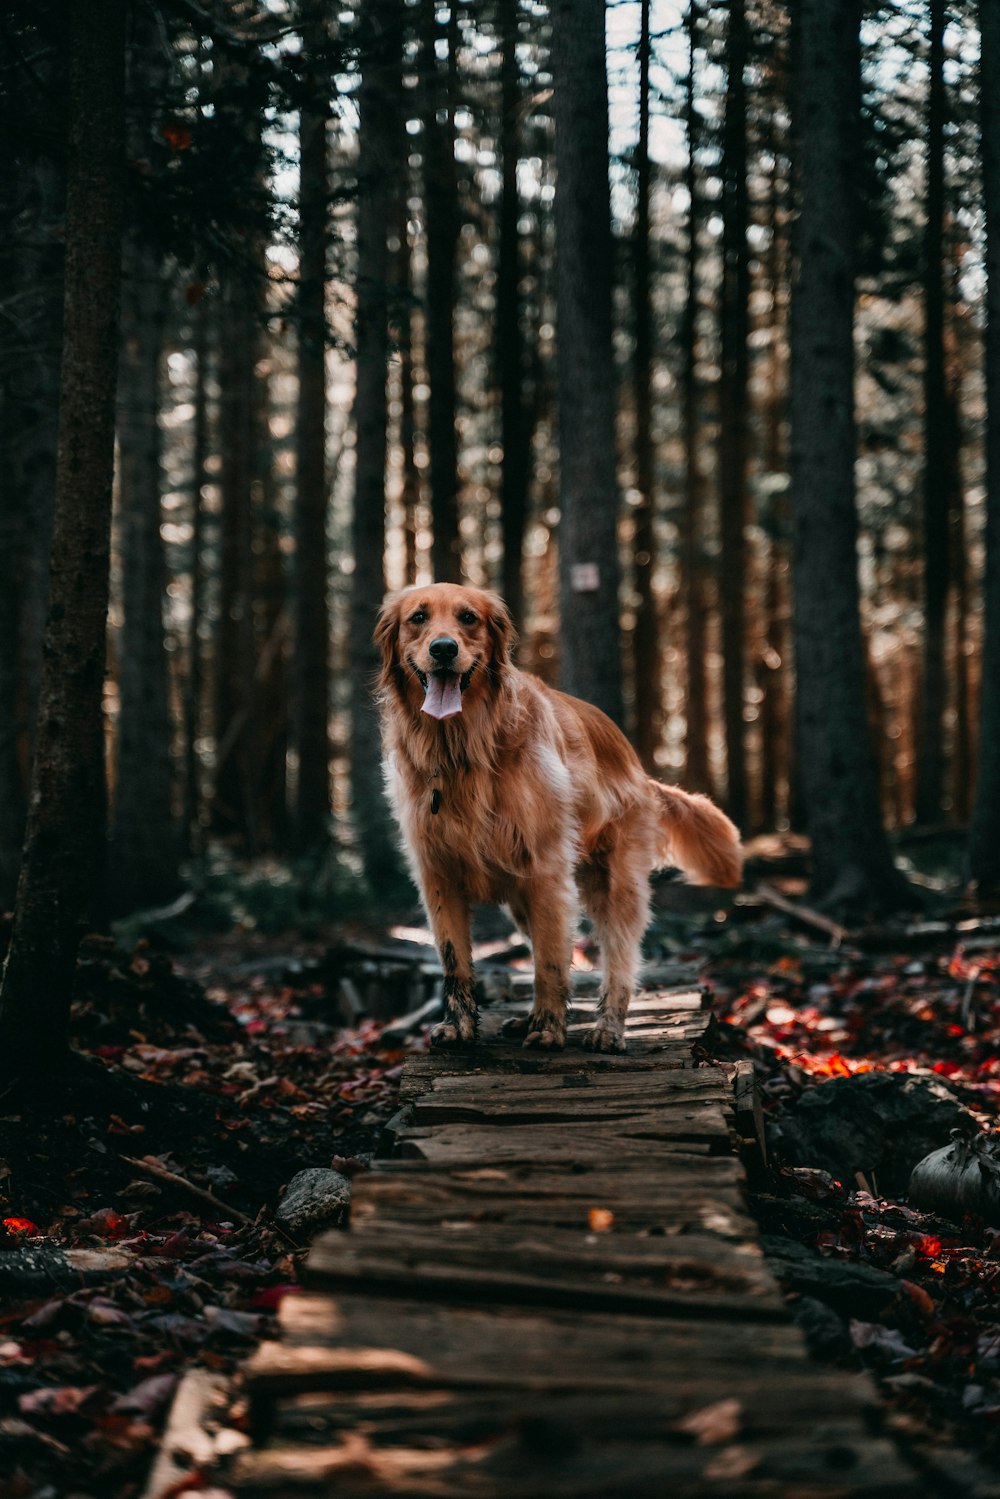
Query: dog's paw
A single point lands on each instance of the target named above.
(516, 1026)
(604, 1036)
(450, 1033)
(546, 1031)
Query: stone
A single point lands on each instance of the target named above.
(315, 1198)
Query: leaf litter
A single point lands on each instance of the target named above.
(228, 1085)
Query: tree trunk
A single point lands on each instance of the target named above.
(403, 288)
(773, 673)
(733, 414)
(646, 658)
(194, 682)
(937, 485)
(984, 833)
(441, 210)
(232, 802)
(381, 39)
(588, 485)
(310, 664)
(64, 832)
(697, 775)
(144, 845)
(852, 864)
(510, 343)
(32, 204)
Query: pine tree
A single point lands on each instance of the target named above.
(588, 488)
(65, 832)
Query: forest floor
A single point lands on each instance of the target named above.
(118, 1273)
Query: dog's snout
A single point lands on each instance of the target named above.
(444, 649)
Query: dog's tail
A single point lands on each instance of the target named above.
(697, 837)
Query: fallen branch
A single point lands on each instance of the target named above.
(153, 1168)
(805, 914)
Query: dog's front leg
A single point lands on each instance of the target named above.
(551, 910)
(450, 923)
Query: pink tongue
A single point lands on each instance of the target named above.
(444, 695)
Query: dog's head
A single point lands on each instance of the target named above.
(443, 645)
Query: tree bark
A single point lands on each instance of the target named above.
(381, 39)
(32, 203)
(697, 775)
(937, 482)
(64, 832)
(591, 653)
(510, 342)
(235, 654)
(733, 412)
(441, 210)
(145, 850)
(310, 664)
(195, 678)
(852, 864)
(646, 659)
(984, 833)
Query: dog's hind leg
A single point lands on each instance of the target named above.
(450, 922)
(616, 897)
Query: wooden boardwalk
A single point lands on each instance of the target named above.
(551, 1287)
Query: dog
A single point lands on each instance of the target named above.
(509, 792)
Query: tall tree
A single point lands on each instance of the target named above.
(510, 342)
(937, 486)
(32, 203)
(381, 37)
(310, 657)
(646, 635)
(697, 775)
(733, 410)
(984, 833)
(852, 864)
(64, 831)
(145, 846)
(588, 487)
(441, 208)
(240, 96)
(195, 676)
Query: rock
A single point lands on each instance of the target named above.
(960, 1180)
(881, 1123)
(314, 1199)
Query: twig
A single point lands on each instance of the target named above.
(154, 1169)
(806, 914)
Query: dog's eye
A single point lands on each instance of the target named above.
(420, 618)
(467, 617)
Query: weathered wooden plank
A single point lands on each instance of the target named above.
(682, 1276)
(669, 1053)
(659, 1201)
(459, 1100)
(486, 1344)
(639, 1137)
(543, 1457)
(775, 1405)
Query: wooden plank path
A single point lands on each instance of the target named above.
(551, 1287)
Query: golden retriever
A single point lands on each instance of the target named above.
(507, 791)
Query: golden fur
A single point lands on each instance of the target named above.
(518, 799)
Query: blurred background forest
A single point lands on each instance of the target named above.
(377, 272)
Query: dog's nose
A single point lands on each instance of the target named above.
(444, 649)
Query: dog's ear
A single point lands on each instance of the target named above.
(386, 637)
(502, 633)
